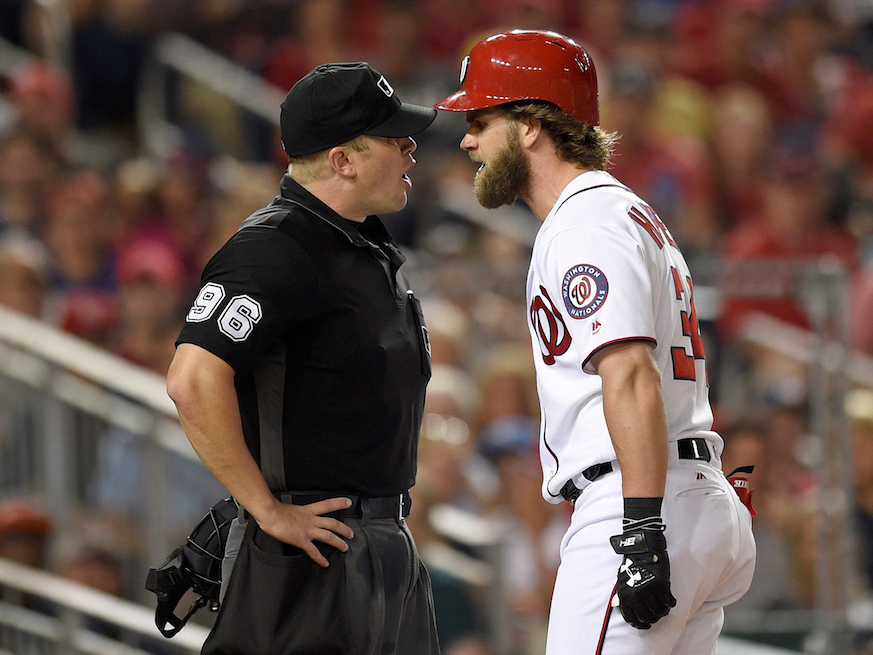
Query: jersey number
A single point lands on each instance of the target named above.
(683, 363)
(236, 321)
(205, 303)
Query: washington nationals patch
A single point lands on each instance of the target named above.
(585, 288)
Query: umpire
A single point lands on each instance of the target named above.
(299, 378)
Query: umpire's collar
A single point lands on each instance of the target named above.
(376, 232)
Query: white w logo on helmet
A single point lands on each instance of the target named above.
(385, 87)
(465, 66)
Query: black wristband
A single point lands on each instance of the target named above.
(637, 509)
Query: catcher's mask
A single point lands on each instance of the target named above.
(196, 565)
(528, 65)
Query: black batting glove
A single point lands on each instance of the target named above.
(643, 590)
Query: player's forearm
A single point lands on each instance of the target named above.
(634, 410)
(639, 433)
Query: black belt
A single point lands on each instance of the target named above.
(691, 448)
(694, 448)
(363, 507)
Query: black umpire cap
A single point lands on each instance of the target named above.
(335, 103)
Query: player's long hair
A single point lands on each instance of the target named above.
(577, 143)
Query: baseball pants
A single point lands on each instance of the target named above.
(712, 559)
(374, 599)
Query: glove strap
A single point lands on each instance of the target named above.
(650, 523)
(642, 513)
(639, 541)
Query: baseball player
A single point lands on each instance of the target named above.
(658, 542)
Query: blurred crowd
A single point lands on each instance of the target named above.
(746, 124)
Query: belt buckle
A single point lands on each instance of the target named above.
(694, 448)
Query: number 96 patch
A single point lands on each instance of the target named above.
(584, 289)
(237, 320)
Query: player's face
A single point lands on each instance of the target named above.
(492, 141)
(382, 171)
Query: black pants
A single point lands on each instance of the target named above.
(374, 599)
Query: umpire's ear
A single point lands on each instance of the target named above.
(340, 162)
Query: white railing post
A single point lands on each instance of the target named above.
(58, 468)
(54, 24)
(823, 289)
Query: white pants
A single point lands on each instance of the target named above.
(712, 558)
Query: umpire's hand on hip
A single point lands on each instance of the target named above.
(303, 525)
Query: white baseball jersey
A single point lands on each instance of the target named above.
(605, 269)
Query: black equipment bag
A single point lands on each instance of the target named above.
(196, 565)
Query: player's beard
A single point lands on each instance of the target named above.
(507, 175)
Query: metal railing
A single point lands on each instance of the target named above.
(821, 287)
(73, 412)
(55, 30)
(175, 57)
(52, 23)
(12, 58)
(41, 614)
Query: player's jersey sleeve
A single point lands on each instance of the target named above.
(599, 276)
(260, 284)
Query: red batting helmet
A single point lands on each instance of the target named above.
(528, 65)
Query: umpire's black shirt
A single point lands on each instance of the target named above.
(328, 345)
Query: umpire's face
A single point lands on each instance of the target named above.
(381, 172)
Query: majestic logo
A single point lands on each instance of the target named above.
(384, 87)
(546, 320)
(585, 288)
